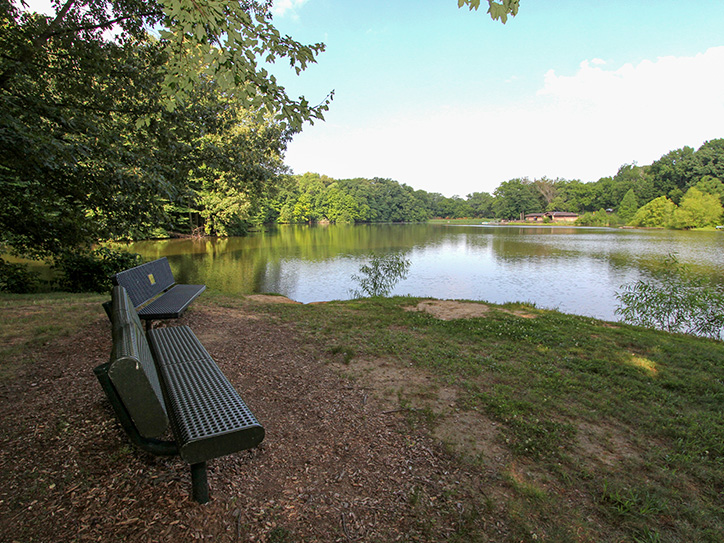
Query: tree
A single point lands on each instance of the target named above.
(547, 190)
(230, 40)
(574, 196)
(380, 276)
(709, 161)
(658, 213)
(628, 207)
(481, 204)
(74, 166)
(672, 171)
(515, 198)
(675, 300)
(87, 135)
(697, 210)
(711, 185)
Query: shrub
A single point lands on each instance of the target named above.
(379, 277)
(91, 271)
(658, 213)
(597, 218)
(674, 300)
(16, 278)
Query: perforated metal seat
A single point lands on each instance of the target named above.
(208, 417)
(168, 376)
(154, 292)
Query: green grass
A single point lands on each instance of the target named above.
(459, 221)
(630, 421)
(30, 320)
(610, 432)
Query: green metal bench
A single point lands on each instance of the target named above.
(166, 378)
(154, 291)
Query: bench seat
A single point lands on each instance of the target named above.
(167, 378)
(207, 415)
(154, 292)
(172, 303)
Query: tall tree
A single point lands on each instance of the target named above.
(672, 172)
(74, 165)
(629, 206)
(709, 161)
(515, 198)
(697, 210)
(547, 190)
(481, 204)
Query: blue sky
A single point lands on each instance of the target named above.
(449, 101)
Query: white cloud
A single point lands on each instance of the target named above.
(582, 126)
(281, 7)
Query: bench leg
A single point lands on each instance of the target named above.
(199, 483)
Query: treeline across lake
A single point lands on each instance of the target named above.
(683, 189)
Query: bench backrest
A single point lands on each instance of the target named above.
(132, 370)
(146, 281)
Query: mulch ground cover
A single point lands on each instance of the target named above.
(334, 466)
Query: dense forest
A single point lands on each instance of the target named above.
(682, 189)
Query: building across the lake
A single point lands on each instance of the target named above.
(552, 216)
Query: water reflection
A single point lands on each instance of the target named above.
(573, 269)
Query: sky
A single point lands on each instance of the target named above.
(447, 100)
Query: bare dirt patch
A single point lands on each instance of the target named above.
(333, 465)
(271, 299)
(452, 309)
(605, 445)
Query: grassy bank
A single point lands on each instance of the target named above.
(460, 221)
(580, 430)
(605, 431)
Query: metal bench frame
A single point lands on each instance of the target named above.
(167, 378)
(154, 291)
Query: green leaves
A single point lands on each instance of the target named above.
(498, 10)
(228, 40)
(674, 300)
(380, 276)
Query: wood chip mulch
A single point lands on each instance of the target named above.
(334, 465)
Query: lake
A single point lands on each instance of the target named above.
(574, 270)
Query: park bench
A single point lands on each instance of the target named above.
(154, 291)
(166, 378)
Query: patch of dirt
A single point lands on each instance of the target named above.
(334, 466)
(451, 309)
(607, 446)
(270, 299)
(471, 433)
(396, 385)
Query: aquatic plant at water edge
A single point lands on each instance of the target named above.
(379, 277)
(674, 300)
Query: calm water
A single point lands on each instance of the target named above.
(575, 270)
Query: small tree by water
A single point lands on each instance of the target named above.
(380, 275)
(674, 300)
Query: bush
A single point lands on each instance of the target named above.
(91, 271)
(16, 278)
(597, 218)
(658, 213)
(381, 275)
(674, 300)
